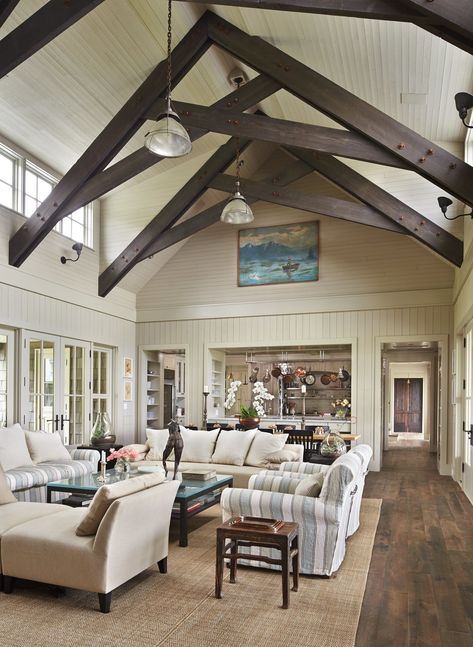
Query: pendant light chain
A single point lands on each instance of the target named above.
(169, 51)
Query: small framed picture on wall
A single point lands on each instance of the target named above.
(127, 367)
(127, 391)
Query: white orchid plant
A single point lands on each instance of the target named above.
(261, 394)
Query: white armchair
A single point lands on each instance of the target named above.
(324, 521)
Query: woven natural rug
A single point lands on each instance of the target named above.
(179, 610)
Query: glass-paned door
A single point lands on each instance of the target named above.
(101, 382)
(75, 368)
(40, 382)
(6, 377)
(468, 411)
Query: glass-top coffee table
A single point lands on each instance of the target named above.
(192, 497)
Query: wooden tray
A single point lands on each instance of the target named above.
(257, 523)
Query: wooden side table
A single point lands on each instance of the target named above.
(252, 531)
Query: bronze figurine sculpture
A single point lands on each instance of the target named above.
(175, 443)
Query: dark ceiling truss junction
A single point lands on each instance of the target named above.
(39, 29)
(371, 135)
(451, 20)
(6, 8)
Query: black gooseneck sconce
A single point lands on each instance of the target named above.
(464, 102)
(444, 203)
(77, 247)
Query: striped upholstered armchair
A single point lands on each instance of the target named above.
(324, 521)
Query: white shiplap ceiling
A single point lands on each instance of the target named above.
(56, 103)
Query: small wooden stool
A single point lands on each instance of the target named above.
(266, 533)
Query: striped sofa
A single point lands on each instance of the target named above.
(28, 483)
(324, 521)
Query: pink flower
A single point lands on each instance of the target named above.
(124, 453)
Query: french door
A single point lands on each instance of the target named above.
(468, 412)
(56, 386)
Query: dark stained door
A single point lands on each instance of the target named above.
(408, 405)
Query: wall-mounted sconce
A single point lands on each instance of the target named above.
(77, 247)
(444, 203)
(464, 102)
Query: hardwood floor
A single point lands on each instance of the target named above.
(420, 583)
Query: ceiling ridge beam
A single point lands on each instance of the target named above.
(39, 29)
(429, 160)
(285, 132)
(169, 214)
(412, 222)
(243, 98)
(314, 203)
(435, 18)
(6, 8)
(296, 170)
(108, 143)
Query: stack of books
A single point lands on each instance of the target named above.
(199, 475)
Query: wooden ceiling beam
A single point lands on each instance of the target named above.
(285, 132)
(323, 205)
(168, 215)
(39, 29)
(429, 160)
(6, 8)
(412, 222)
(243, 98)
(110, 141)
(294, 171)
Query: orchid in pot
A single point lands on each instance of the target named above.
(123, 457)
(249, 414)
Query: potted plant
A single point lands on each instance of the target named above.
(250, 415)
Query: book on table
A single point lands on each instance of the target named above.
(199, 475)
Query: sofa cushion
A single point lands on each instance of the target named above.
(287, 453)
(156, 441)
(6, 495)
(198, 445)
(13, 449)
(107, 494)
(311, 485)
(263, 446)
(14, 514)
(232, 447)
(45, 446)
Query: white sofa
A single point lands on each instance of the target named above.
(32, 459)
(235, 453)
(91, 549)
(324, 520)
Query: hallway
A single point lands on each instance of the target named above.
(420, 583)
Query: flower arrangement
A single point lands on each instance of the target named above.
(256, 409)
(124, 454)
(342, 407)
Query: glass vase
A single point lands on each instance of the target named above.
(122, 466)
(333, 445)
(101, 431)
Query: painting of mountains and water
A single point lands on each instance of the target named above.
(280, 254)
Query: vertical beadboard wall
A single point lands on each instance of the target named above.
(364, 327)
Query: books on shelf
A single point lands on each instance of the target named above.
(199, 475)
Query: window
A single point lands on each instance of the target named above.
(24, 186)
(101, 382)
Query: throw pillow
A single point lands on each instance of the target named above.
(311, 485)
(264, 445)
(232, 447)
(44, 446)
(156, 441)
(287, 454)
(13, 449)
(198, 445)
(107, 494)
(6, 495)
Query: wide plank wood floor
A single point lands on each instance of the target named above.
(420, 583)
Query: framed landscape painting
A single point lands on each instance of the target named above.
(278, 254)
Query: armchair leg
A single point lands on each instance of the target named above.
(163, 565)
(8, 583)
(105, 600)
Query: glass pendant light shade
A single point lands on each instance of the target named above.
(169, 138)
(237, 211)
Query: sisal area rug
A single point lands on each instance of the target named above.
(179, 610)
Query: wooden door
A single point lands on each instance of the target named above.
(408, 405)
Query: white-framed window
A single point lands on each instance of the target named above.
(24, 186)
(101, 382)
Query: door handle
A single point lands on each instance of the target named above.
(56, 422)
(63, 420)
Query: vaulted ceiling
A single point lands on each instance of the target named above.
(55, 103)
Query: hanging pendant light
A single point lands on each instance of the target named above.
(237, 211)
(169, 138)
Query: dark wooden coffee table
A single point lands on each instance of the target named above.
(266, 533)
